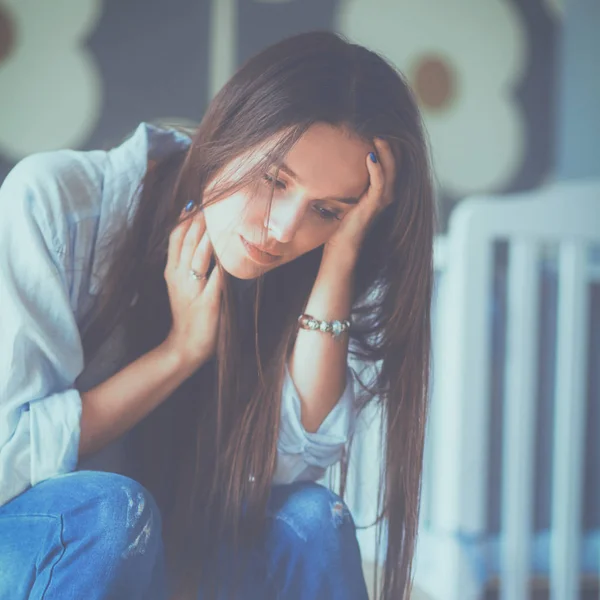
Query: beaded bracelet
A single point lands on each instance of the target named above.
(335, 328)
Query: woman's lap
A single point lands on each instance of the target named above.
(62, 532)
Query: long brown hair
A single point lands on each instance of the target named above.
(208, 453)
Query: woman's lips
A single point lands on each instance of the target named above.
(258, 256)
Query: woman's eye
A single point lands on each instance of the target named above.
(278, 183)
(327, 214)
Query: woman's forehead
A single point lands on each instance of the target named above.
(330, 161)
(326, 160)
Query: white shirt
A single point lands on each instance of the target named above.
(56, 209)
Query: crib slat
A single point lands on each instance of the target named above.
(519, 420)
(569, 429)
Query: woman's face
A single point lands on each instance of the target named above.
(320, 181)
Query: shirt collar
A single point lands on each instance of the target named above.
(125, 168)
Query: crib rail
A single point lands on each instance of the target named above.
(456, 546)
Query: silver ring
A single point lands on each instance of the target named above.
(197, 276)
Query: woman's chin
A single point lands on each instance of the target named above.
(240, 268)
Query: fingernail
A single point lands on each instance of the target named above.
(189, 206)
(373, 157)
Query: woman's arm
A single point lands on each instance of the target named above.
(113, 407)
(42, 413)
(319, 361)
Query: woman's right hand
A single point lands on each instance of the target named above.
(195, 303)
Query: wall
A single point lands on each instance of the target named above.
(83, 75)
(578, 147)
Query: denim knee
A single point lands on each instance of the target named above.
(313, 512)
(114, 514)
(312, 549)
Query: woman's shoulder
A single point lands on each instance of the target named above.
(50, 204)
(83, 196)
(83, 183)
(56, 186)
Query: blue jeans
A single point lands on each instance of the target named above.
(97, 535)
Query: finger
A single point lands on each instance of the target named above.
(376, 179)
(200, 261)
(214, 287)
(191, 241)
(388, 164)
(175, 242)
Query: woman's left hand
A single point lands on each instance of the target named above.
(345, 243)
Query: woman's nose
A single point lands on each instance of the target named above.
(285, 218)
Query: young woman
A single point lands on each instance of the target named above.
(165, 410)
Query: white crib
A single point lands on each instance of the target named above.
(458, 555)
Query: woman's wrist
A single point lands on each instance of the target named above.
(181, 361)
(334, 327)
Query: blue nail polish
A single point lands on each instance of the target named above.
(373, 157)
(189, 206)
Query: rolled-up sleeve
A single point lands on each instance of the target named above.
(304, 455)
(40, 347)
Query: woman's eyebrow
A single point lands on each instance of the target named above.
(344, 200)
(289, 171)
